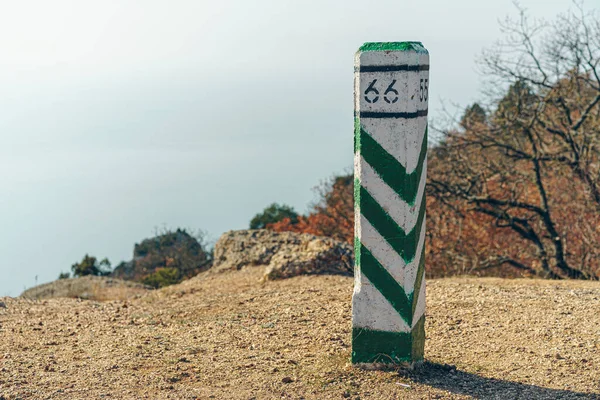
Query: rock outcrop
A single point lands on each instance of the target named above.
(284, 254)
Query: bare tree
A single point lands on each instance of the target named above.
(541, 128)
(560, 62)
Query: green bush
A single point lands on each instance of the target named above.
(162, 277)
(186, 253)
(64, 275)
(89, 265)
(273, 213)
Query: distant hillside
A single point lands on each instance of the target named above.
(86, 287)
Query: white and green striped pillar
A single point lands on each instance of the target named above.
(391, 82)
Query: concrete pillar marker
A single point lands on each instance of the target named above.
(391, 91)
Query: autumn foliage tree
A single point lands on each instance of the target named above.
(520, 179)
(513, 187)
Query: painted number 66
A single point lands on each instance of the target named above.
(390, 95)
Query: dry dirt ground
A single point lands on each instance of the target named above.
(228, 336)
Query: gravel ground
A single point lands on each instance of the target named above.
(229, 336)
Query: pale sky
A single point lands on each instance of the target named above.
(117, 117)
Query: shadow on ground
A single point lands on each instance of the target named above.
(447, 377)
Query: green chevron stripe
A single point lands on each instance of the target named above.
(418, 340)
(384, 282)
(371, 346)
(404, 244)
(414, 296)
(389, 169)
(356, 134)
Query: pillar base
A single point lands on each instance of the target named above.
(370, 348)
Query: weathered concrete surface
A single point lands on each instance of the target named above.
(390, 167)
